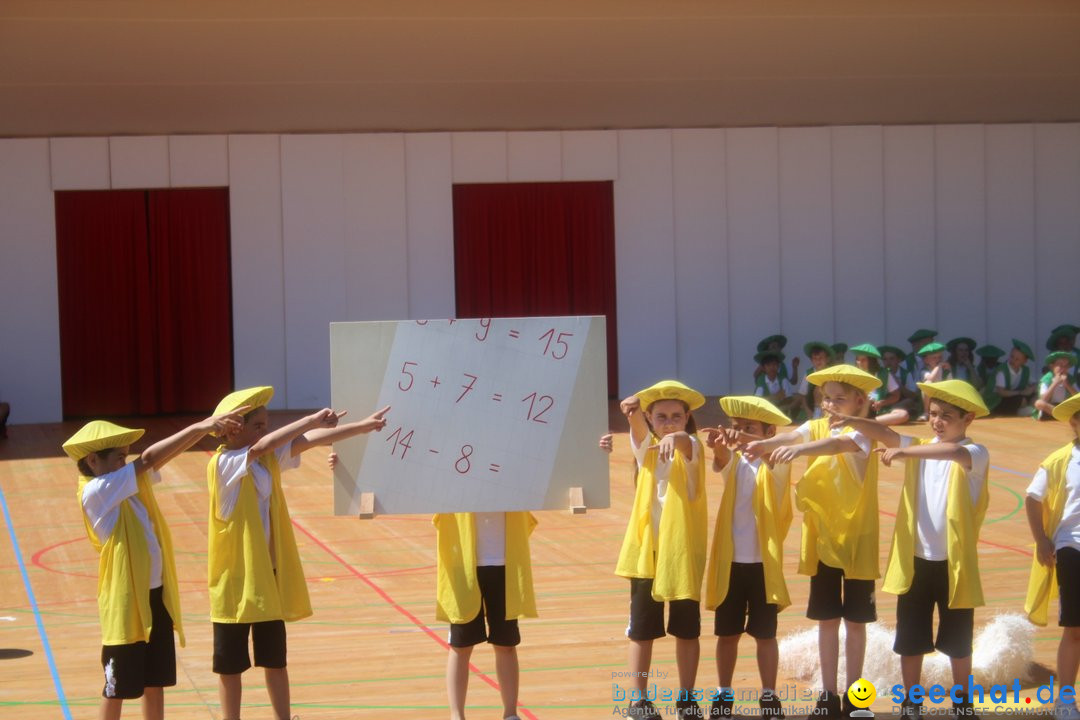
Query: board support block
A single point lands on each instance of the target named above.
(577, 501)
(367, 506)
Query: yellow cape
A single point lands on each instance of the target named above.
(840, 514)
(457, 591)
(962, 537)
(124, 571)
(1042, 583)
(244, 587)
(675, 556)
(773, 516)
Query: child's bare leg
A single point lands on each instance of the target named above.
(1068, 656)
(829, 652)
(277, 687)
(768, 659)
(153, 703)
(961, 668)
(507, 673)
(911, 671)
(727, 651)
(230, 688)
(110, 709)
(855, 650)
(894, 417)
(457, 680)
(640, 659)
(687, 656)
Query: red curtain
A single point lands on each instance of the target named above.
(144, 296)
(531, 249)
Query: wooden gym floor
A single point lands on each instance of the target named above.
(373, 645)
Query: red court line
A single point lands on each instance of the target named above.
(412, 618)
(1011, 548)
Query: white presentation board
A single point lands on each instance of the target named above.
(487, 415)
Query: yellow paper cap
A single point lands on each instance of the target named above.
(1065, 410)
(253, 397)
(845, 374)
(99, 435)
(752, 407)
(670, 390)
(957, 392)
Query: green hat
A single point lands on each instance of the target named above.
(780, 341)
(990, 352)
(1024, 348)
(761, 357)
(892, 349)
(839, 348)
(866, 349)
(930, 349)
(1059, 332)
(961, 340)
(922, 334)
(1060, 355)
(813, 345)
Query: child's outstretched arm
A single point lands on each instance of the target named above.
(814, 448)
(867, 426)
(607, 443)
(329, 435)
(161, 452)
(763, 448)
(955, 452)
(325, 418)
(639, 429)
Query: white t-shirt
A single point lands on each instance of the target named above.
(772, 387)
(233, 467)
(744, 527)
(1060, 394)
(663, 472)
(490, 538)
(806, 390)
(1068, 532)
(861, 440)
(931, 520)
(961, 372)
(101, 500)
(1014, 377)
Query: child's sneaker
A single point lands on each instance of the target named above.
(910, 711)
(828, 707)
(964, 711)
(1066, 711)
(688, 710)
(722, 707)
(771, 708)
(643, 710)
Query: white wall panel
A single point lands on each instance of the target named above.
(701, 284)
(29, 325)
(79, 163)
(1057, 228)
(806, 253)
(428, 182)
(139, 162)
(199, 161)
(313, 224)
(961, 231)
(534, 156)
(1010, 232)
(479, 157)
(858, 235)
(376, 238)
(258, 289)
(590, 155)
(753, 211)
(644, 260)
(910, 236)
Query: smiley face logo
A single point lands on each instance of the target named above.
(862, 693)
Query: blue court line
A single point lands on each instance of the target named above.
(37, 613)
(1012, 472)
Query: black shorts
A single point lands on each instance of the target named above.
(647, 615)
(131, 668)
(499, 630)
(834, 596)
(915, 615)
(231, 646)
(744, 609)
(1067, 560)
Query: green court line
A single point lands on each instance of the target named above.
(1019, 503)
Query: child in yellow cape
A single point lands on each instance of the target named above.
(256, 580)
(1053, 512)
(138, 599)
(838, 498)
(744, 582)
(663, 551)
(934, 557)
